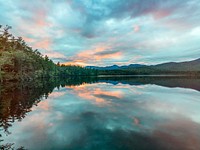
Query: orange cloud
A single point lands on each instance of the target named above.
(95, 53)
(88, 57)
(77, 63)
(115, 55)
(88, 53)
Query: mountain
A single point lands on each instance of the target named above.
(133, 66)
(116, 67)
(170, 66)
(179, 66)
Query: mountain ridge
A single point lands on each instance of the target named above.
(193, 65)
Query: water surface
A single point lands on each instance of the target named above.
(102, 114)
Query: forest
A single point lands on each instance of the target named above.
(148, 71)
(18, 61)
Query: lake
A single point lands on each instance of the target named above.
(107, 113)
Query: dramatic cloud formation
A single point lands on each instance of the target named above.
(102, 32)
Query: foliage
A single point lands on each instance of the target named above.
(18, 61)
(17, 98)
(148, 70)
(71, 70)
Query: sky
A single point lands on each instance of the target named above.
(107, 32)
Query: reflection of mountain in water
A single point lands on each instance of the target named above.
(182, 82)
(17, 99)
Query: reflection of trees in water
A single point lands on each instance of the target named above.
(166, 81)
(16, 102)
(17, 99)
(11, 146)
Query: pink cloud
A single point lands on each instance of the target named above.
(159, 14)
(44, 105)
(27, 39)
(40, 18)
(136, 121)
(99, 53)
(136, 28)
(56, 94)
(44, 44)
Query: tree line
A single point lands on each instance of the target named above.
(18, 61)
(148, 70)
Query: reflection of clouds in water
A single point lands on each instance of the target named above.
(150, 117)
(136, 121)
(180, 132)
(134, 89)
(167, 103)
(44, 105)
(56, 94)
(98, 95)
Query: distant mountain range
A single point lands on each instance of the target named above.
(115, 67)
(171, 66)
(180, 66)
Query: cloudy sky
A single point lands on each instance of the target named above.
(107, 32)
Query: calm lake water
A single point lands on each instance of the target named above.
(102, 114)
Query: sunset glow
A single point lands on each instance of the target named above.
(107, 32)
